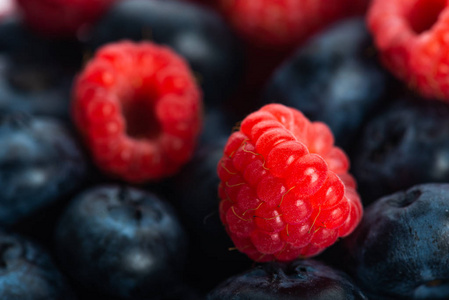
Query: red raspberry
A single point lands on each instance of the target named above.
(285, 189)
(61, 18)
(139, 109)
(286, 23)
(413, 39)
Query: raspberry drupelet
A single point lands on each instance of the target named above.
(285, 188)
(139, 109)
(413, 41)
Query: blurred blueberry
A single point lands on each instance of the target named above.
(35, 74)
(27, 272)
(302, 279)
(40, 164)
(197, 33)
(334, 78)
(406, 144)
(121, 242)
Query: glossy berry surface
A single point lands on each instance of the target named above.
(41, 163)
(129, 238)
(28, 272)
(56, 18)
(196, 33)
(284, 24)
(302, 279)
(405, 144)
(334, 78)
(400, 250)
(411, 38)
(285, 188)
(139, 110)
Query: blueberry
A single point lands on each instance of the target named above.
(334, 78)
(210, 259)
(27, 272)
(36, 81)
(196, 33)
(401, 248)
(122, 242)
(302, 279)
(404, 145)
(40, 164)
(33, 88)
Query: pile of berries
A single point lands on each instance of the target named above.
(229, 149)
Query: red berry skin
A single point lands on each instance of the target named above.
(411, 36)
(283, 24)
(280, 197)
(139, 110)
(62, 18)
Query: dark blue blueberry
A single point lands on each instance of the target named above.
(35, 74)
(196, 33)
(40, 164)
(302, 279)
(401, 248)
(210, 259)
(122, 242)
(334, 78)
(406, 144)
(28, 273)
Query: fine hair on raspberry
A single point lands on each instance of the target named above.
(285, 188)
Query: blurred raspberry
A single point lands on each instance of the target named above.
(283, 24)
(62, 18)
(139, 109)
(412, 37)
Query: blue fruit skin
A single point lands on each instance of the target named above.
(334, 78)
(195, 32)
(40, 164)
(401, 248)
(35, 74)
(302, 279)
(27, 272)
(121, 242)
(405, 144)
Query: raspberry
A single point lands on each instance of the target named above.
(285, 188)
(62, 18)
(139, 109)
(412, 38)
(285, 23)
